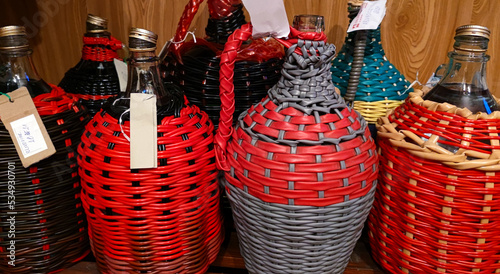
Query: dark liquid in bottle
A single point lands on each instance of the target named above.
(35, 87)
(463, 95)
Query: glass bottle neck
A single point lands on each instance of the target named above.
(17, 70)
(466, 71)
(144, 77)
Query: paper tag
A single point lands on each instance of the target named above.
(369, 17)
(268, 18)
(143, 131)
(25, 127)
(122, 70)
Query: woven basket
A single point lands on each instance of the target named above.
(301, 166)
(195, 66)
(50, 227)
(94, 79)
(161, 220)
(364, 75)
(437, 211)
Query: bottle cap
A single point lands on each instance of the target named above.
(13, 38)
(96, 23)
(142, 39)
(473, 30)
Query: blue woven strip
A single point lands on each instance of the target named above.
(379, 80)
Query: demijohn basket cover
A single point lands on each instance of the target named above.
(301, 166)
(364, 75)
(94, 79)
(194, 64)
(437, 204)
(158, 220)
(50, 227)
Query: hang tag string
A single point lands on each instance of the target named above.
(120, 120)
(185, 37)
(411, 85)
(8, 96)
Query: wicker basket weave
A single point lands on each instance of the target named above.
(195, 66)
(437, 211)
(94, 79)
(364, 75)
(301, 166)
(161, 220)
(50, 227)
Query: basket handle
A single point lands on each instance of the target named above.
(185, 22)
(358, 57)
(226, 87)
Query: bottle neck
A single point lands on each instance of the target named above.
(17, 70)
(144, 77)
(466, 71)
(104, 34)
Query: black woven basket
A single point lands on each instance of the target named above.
(195, 66)
(50, 225)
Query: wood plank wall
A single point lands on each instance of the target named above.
(416, 34)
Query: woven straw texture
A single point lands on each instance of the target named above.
(50, 226)
(161, 220)
(437, 210)
(195, 66)
(301, 166)
(94, 79)
(362, 63)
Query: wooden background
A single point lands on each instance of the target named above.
(416, 34)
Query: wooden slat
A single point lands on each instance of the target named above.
(416, 34)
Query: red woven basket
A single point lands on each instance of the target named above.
(301, 166)
(50, 231)
(437, 211)
(161, 220)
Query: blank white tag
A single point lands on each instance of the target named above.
(28, 135)
(143, 131)
(268, 18)
(122, 70)
(370, 16)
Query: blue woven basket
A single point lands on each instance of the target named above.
(362, 64)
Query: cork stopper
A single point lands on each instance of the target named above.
(96, 24)
(142, 39)
(13, 38)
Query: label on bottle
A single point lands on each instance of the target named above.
(26, 129)
(268, 18)
(143, 131)
(122, 71)
(369, 17)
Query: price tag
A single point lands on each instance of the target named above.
(268, 18)
(143, 131)
(122, 70)
(370, 16)
(26, 129)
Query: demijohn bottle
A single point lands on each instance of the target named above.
(16, 67)
(50, 230)
(162, 219)
(464, 81)
(94, 79)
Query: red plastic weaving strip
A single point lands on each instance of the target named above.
(100, 49)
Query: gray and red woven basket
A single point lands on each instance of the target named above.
(300, 165)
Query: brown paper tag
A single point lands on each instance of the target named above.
(143, 131)
(25, 127)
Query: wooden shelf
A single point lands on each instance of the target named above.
(229, 261)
